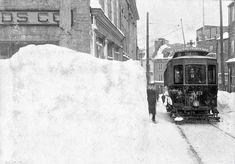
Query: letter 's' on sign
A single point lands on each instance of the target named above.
(22, 17)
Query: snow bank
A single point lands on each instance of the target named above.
(226, 101)
(69, 107)
(226, 107)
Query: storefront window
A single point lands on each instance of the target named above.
(211, 74)
(195, 74)
(178, 74)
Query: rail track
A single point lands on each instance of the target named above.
(226, 133)
(194, 152)
(191, 148)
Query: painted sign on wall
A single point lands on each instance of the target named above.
(29, 17)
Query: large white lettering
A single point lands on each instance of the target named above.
(29, 17)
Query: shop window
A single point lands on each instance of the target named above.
(178, 74)
(100, 47)
(116, 53)
(232, 47)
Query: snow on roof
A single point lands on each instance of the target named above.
(231, 60)
(160, 52)
(95, 4)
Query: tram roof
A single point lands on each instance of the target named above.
(195, 57)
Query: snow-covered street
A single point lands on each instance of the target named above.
(59, 106)
(210, 142)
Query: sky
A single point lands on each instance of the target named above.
(165, 16)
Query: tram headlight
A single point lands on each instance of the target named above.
(196, 103)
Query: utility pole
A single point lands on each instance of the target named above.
(221, 47)
(203, 20)
(147, 49)
(182, 31)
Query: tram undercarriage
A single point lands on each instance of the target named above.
(193, 114)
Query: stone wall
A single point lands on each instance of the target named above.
(76, 37)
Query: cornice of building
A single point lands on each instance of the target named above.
(231, 4)
(210, 26)
(106, 23)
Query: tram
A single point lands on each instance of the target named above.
(191, 84)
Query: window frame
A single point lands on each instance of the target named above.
(180, 81)
(203, 78)
(214, 74)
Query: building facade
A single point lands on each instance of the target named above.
(212, 43)
(231, 61)
(105, 28)
(162, 55)
(115, 29)
(209, 32)
(44, 22)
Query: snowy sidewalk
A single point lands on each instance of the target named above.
(168, 146)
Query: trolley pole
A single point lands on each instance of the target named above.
(182, 28)
(147, 49)
(221, 47)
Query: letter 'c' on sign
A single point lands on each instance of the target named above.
(43, 17)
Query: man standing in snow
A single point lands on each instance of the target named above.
(151, 93)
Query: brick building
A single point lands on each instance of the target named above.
(104, 28)
(210, 32)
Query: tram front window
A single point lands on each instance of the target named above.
(195, 74)
(211, 74)
(178, 74)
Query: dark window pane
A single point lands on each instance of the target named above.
(178, 74)
(195, 74)
(211, 74)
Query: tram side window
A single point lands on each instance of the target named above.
(211, 74)
(178, 74)
(195, 74)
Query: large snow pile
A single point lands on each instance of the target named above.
(59, 106)
(226, 107)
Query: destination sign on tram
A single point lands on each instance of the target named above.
(192, 49)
